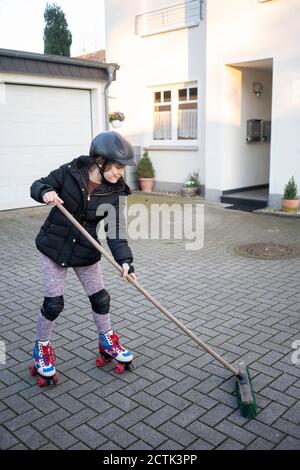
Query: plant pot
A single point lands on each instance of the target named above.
(289, 204)
(190, 192)
(116, 123)
(146, 184)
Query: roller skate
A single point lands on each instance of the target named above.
(110, 348)
(44, 364)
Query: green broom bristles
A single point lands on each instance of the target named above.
(249, 409)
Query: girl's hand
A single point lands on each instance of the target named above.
(51, 197)
(124, 275)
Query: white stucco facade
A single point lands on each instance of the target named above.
(155, 62)
(238, 43)
(261, 43)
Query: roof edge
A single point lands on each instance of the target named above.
(57, 59)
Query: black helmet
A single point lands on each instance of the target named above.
(112, 146)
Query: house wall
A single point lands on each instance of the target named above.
(146, 62)
(240, 31)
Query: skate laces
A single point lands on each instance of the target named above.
(115, 342)
(49, 355)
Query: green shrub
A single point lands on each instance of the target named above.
(116, 116)
(145, 167)
(192, 181)
(290, 189)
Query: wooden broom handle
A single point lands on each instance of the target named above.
(144, 292)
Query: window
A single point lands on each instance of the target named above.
(175, 114)
(187, 113)
(162, 128)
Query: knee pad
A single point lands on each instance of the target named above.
(100, 302)
(52, 307)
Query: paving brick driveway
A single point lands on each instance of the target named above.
(177, 396)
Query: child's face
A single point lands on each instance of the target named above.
(114, 173)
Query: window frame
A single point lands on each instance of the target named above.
(162, 103)
(187, 101)
(174, 88)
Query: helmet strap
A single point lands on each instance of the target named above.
(100, 171)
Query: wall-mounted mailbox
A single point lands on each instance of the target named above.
(266, 131)
(258, 130)
(254, 130)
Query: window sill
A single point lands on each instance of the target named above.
(179, 148)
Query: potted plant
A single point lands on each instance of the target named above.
(145, 173)
(191, 186)
(116, 118)
(290, 201)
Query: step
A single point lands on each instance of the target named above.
(238, 201)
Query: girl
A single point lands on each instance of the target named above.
(82, 186)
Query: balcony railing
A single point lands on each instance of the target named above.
(182, 15)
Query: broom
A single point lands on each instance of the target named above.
(244, 392)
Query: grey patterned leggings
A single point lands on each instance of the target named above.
(54, 277)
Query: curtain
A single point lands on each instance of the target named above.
(187, 124)
(162, 125)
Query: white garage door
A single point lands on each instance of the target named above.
(40, 128)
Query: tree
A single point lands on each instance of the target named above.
(57, 37)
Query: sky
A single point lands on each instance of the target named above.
(22, 24)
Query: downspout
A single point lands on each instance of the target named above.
(111, 69)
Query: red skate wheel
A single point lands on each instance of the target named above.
(32, 370)
(100, 361)
(41, 381)
(119, 369)
(106, 356)
(55, 379)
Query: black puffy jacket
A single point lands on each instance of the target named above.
(58, 238)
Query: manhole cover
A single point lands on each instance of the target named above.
(267, 251)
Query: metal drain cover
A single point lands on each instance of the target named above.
(267, 251)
